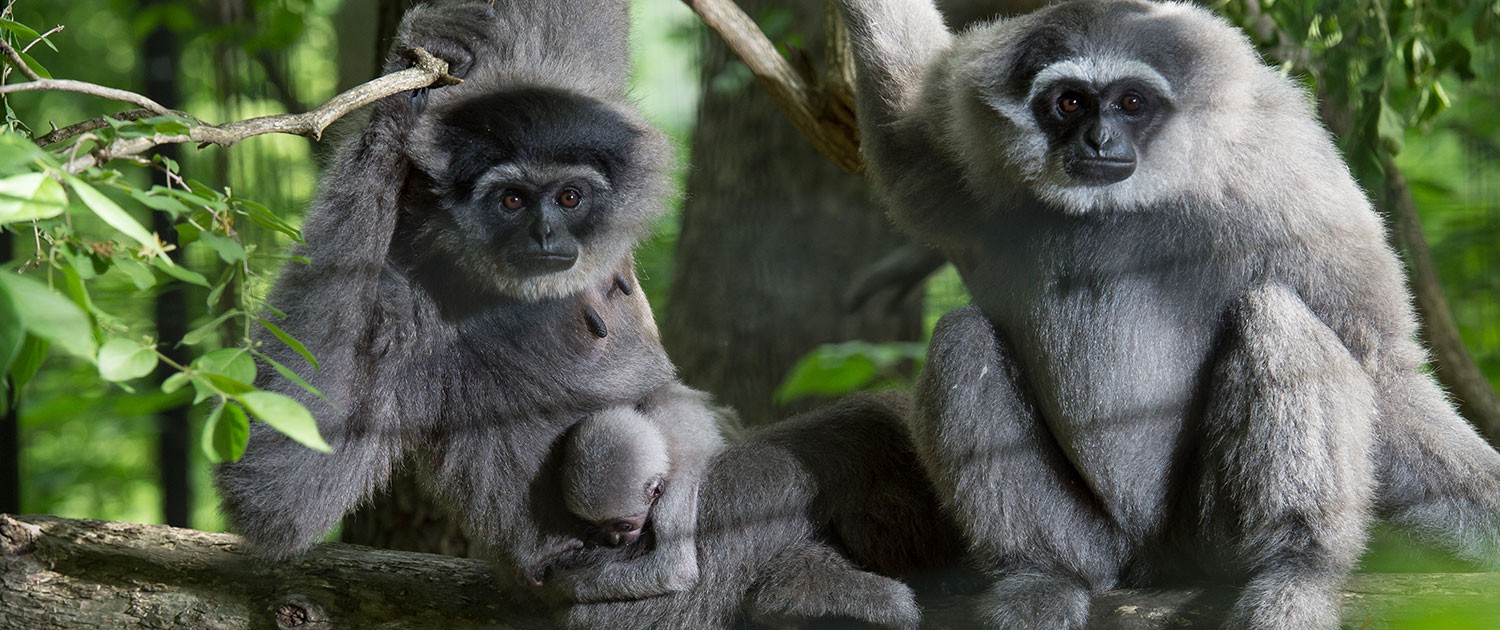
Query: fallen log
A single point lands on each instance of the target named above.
(66, 573)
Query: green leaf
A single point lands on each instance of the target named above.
(231, 363)
(229, 249)
(138, 273)
(287, 416)
(12, 332)
(161, 203)
(227, 386)
(49, 315)
(30, 196)
(123, 360)
(289, 340)
(33, 64)
(24, 32)
(28, 360)
(840, 368)
(18, 153)
(175, 382)
(262, 216)
(80, 294)
(200, 334)
(116, 216)
(225, 433)
(179, 272)
(291, 376)
(230, 370)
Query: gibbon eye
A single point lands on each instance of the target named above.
(624, 527)
(512, 201)
(1069, 102)
(1132, 102)
(569, 198)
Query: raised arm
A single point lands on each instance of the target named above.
(895, 43)
(900, 48)
(347, 308)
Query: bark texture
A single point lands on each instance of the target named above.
(772, 233)
(62, 573)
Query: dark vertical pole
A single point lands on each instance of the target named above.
(174, 433)
(10, 428)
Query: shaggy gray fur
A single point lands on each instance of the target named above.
(1207, 368)
(429, 353)
(616, 463)
(433, 352)
(804, 520)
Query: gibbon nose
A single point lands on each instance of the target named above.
(542, 232)
(1098, 138)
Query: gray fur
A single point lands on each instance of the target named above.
(433, 356)
(1215, 354)
(611, 460)
(802, 520)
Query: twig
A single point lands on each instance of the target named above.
(428, 70)
(80, 87)
(43, 37)
(18, 62)
(809, 108)
(58, 135)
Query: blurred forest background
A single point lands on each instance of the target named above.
(749, 279)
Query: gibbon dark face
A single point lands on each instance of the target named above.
(1097, 131)
(531, 174)
(537, 189)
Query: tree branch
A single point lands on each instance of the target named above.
(72, 131)
(823, 113)
(429, 70)
(1456, 369)
(64, 573)
(81, 87)
(18, 62)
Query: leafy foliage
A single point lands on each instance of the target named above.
(1385, 65)
(83, 231)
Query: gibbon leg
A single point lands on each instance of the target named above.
(1029, 519)
(1288, 477)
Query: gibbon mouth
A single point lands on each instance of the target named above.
(542, 263)
(1101, 171)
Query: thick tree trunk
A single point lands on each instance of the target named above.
(772, 234)
(174, 433)
(61, 573)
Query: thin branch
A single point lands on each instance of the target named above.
(71, 131)
(17, 61)
(80, 87)
(43, 37)
(808, 107)
(428, 70)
